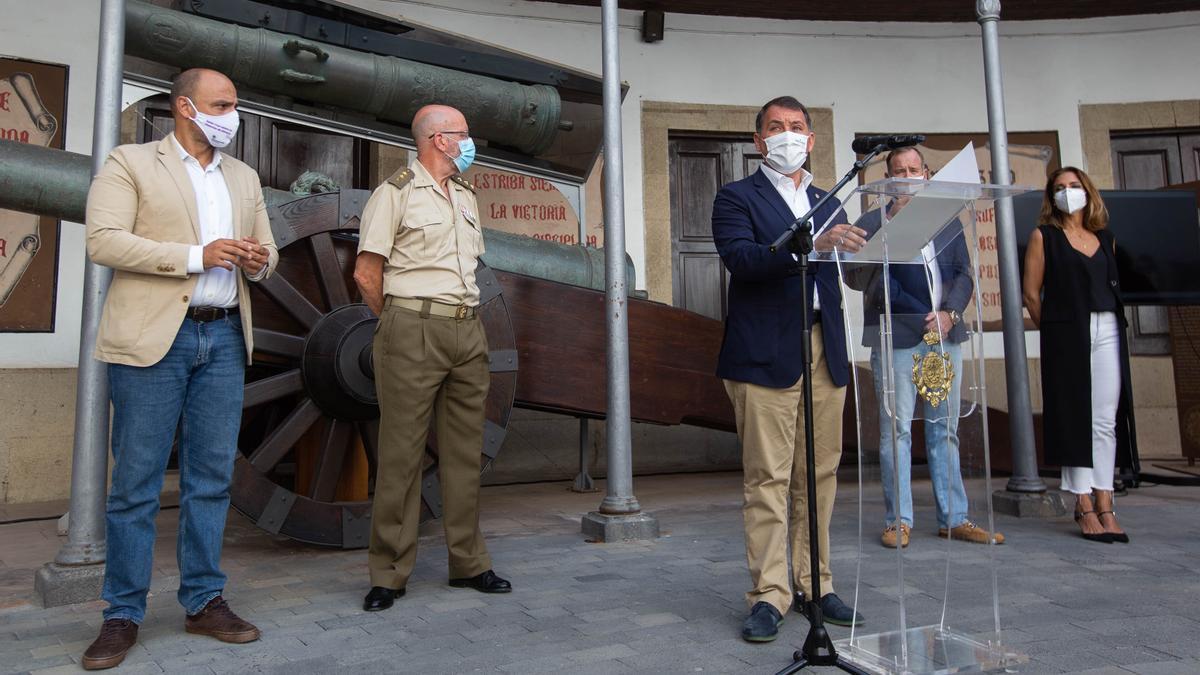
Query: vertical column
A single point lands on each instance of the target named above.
(619, 516)
(77, 571)
(1025, 477)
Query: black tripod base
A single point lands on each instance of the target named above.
(801, 663)
(818, 648)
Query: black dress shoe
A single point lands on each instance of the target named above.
(838, 613)
(380, 598)
(833, 610)
(486, 582)
(762, 625)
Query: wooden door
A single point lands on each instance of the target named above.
(699, 166)
(1189, 156)
(1146, 162)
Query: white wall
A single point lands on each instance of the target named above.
(63, 32)
(876, 76)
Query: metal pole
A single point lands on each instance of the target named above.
(89, 462)
(1024, 454)
(619, 499)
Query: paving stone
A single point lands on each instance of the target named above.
(1186, 667)
(647, 620)
(674, 605)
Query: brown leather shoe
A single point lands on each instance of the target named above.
(217, 620)
(890, 536)
(971, 532)
(117, 637)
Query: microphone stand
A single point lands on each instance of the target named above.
(818, 647)
(802, 221)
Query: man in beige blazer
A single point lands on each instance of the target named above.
(184, 228)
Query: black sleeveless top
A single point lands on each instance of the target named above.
(1069, 283)
(1100, 297)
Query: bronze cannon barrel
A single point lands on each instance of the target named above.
(50, 182)
(44, 181)
(525, 117)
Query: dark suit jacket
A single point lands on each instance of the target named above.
(764, 327)
(910, 288)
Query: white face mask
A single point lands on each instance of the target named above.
(218, 129)
(1070, 200)
(786, 151)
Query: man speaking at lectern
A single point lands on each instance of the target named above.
(762, 365)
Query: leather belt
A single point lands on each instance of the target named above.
(429, 307)
(206, 314)
(816, 317)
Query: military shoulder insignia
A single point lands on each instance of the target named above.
(401, 178)
(463, 182)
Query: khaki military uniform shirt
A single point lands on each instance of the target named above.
(431, 241)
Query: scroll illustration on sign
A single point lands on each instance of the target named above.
(24, 119)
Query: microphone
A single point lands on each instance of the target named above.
(866, 144)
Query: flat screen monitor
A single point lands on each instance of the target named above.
(1158, 242)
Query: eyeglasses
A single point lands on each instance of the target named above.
(462, 133)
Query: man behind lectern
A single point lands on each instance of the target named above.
(761, 364)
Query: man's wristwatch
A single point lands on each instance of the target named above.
(955, 317)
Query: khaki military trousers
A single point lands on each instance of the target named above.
(428, 367)
(770, 424)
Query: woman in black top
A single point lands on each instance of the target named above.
(1072, 293)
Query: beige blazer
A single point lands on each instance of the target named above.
(141, 221)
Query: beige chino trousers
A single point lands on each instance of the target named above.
(770, 424)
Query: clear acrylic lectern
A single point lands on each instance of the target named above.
(918, 388)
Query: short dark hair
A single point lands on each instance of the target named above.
(185, 84)
(785, 102)
(900, 151)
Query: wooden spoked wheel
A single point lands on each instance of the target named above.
(310, 421)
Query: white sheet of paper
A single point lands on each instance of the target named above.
(924, 216)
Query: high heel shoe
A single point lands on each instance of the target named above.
(1104, 537)
(1116, 536)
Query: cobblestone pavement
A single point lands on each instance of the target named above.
(673, 605)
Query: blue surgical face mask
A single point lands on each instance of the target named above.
(466, 154)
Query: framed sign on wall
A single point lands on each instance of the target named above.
(33, 102)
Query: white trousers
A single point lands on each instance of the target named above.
(1106, 392)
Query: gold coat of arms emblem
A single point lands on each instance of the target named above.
(933, 374)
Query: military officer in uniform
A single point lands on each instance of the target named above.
(420, 242)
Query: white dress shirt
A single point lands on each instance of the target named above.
(933, 274)
(217, 287)
(795, 197)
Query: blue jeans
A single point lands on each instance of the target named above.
(195, 389)
(941, 438)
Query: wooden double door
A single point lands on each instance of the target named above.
(699, 166)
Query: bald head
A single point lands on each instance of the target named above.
(208, 90)
(439, 131)
(199, 90)
(432, 119)
(193, 80)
